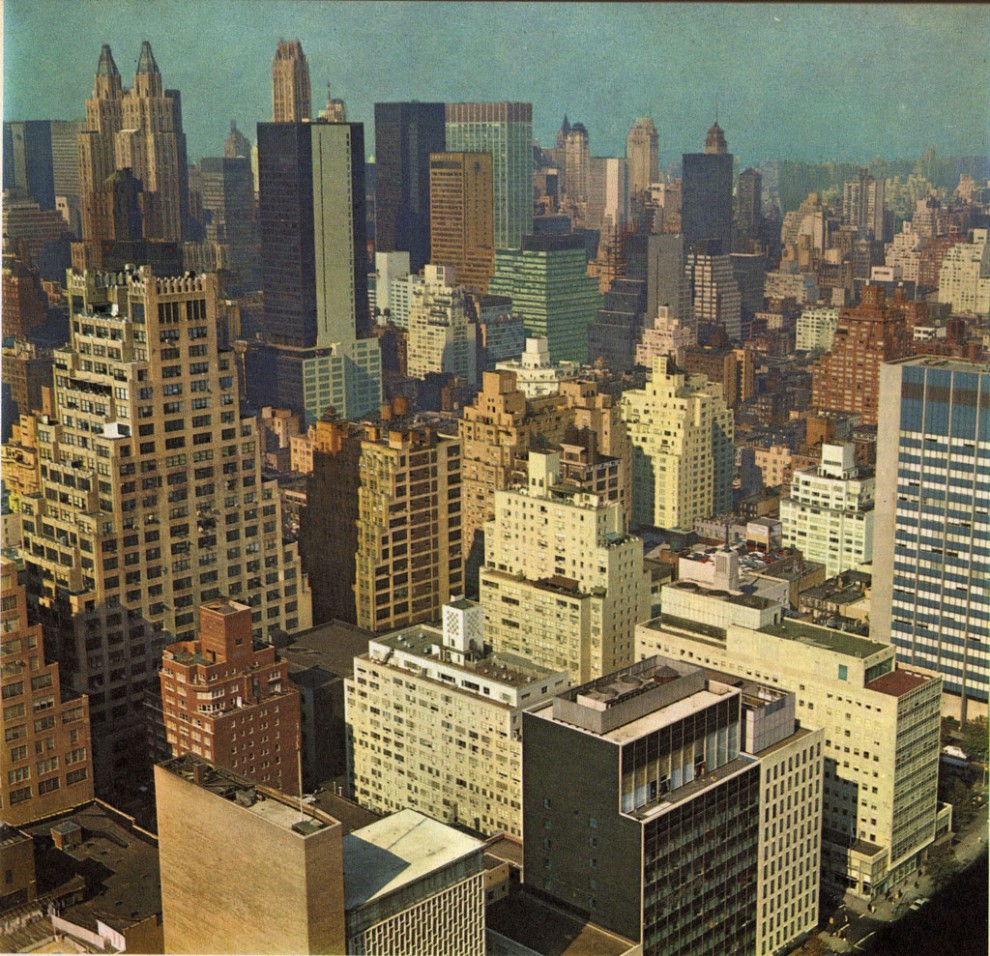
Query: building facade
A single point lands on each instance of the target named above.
(47, 754)
(442, 339)
(292, 100)
(829, 515)
(643, 156)
(933, 463)
(683, 458)
(231, 702)
(152, 500)
(455, 751)
(816, 329)
(706, 193)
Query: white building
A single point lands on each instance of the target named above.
(442, 338)
(816, 329)
(435, 721)
(391, 269)
(668, 335)
(829, 514)
(536, 374)
(964, 279)
(905, 252)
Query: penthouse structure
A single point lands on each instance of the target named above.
(881, 723)
(563, 584)
(230, 701)
(829, 515)
(436, 723)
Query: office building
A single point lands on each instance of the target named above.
(292, 101)
(550, 288)
(405, 136)
(847, 378)
(505, 130)
(414, 886)
(217, 830)
(442, 339)
(863, 204)
(27, 160)
(829, 515)
(47, 755)
(933, 496)
(617, 328)
(317, 323)
(706, 193)
(152, 500)
(964, 277)
(249, 722)
(816, 329)
(881, 723)
(227, 198)
(461, 216)
(576, 164)
(749, 206)
(391, 285)
(641, 812)
(715, 295)
(435, 721)
(409, 561)
(683, 457)
(643, 156)
(563, 583)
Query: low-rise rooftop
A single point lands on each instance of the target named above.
(899, 682)
(838, 642)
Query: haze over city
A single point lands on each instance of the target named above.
(844, 82)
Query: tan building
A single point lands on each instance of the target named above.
(563, 585)
(230, 702)
(292, 100)
(462, 216)
(435, 721)
(409, 561)
(881, 723)
(245, 869)
(683, 457)
(414, 886)
(152, 500)
(47, 760)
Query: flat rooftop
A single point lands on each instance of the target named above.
(898, 683)
(329, 648)
(398, 850)
(838, 642)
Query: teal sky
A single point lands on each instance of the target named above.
(792, 81)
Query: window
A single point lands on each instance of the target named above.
(843, 672)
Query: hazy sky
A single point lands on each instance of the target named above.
(792, 81)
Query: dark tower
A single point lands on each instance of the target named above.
(706, 193)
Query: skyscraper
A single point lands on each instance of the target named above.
(314, 270)
(227, 196)
(576, 164)
(863, 204)
(706, 193)
(292, 101)
(156, 505)
(715, 295)
(441, 337)
(506, 131)
(405, 136)
(749, 205)
(27, 160)
(461, 216)
(933, 497)
(643, 155)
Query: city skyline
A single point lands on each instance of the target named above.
(828, 82)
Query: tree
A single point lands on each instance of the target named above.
(974, 740)
(941, 864)
(815, 946)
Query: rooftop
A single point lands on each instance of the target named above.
(838, 642)
(398, 850)
(329, 648)
(898, 683)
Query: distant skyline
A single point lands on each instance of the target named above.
(844, 82)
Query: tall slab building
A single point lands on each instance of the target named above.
(317, 323)
(932, 562)
(151, 502)
(405, 136)
(506, 131)
(706, 192)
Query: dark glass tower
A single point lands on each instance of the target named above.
(405, 135)
(706, 193)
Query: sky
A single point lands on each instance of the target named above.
(810, 82)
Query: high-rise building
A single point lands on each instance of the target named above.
(749, 205)
(816, 329)
(683, 457)
(250, 721)
(618, 327)
(441, 337)
(964, 276)
(829, 514)
(733, 369)
(576, 163)
(641, 812)
(212, 821)
(227, 197)
(706, 193)
(408, 561)
(563, 584)
(933, 497)
(292, 101)
(715, 292)
(405, 136)
(643, 155)
(550, 288)
(881, 723)
(461, 216)
(152, 500)
(27, 160)
(137, 130)
(461, 760)
(334, 110)
(863, 204)
(847, 378)
(506, 131)
(236, 145)
(47, 755)
(317, 321)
